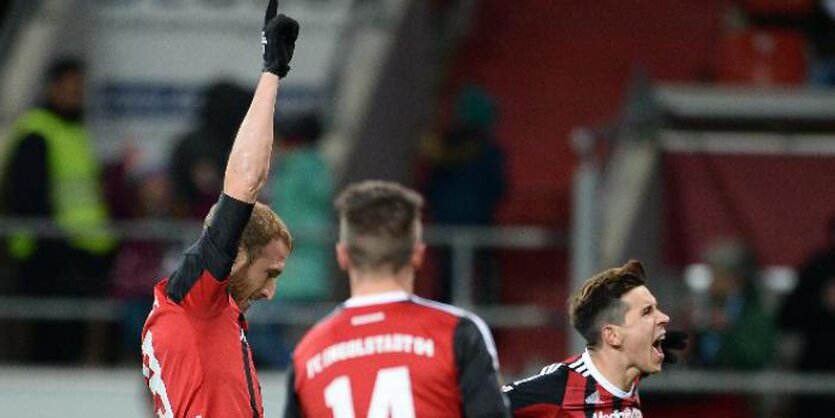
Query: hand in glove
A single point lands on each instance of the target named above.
(278, 40)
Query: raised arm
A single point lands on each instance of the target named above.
(249, 160)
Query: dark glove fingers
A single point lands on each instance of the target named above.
(272, 10)
(279, 40)
(289, 28)
(288, 31)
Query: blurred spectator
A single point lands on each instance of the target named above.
(466, 180)
(52, 172)
(302, 192)
(738, 332)
(118, 178)
(140, 262)
(199, 158)
(733, 329)
(810, 311)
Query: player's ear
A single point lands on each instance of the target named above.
(417, 255)
(611, 335)
(342, 257)
(240, 261)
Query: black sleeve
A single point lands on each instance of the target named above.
(477, 375)
(27, 178)
(292, 409)
(547, 388)
(216, 249)
(225, 230)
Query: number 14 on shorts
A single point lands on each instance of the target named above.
(392, 395)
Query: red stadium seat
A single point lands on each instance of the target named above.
(762, 57)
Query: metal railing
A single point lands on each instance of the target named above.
(768, 382)
(463, 242)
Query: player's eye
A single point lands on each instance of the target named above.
(647, 310)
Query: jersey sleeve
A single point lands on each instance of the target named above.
(475, 356)
(199, 283)
(538, 396)
(292, 408)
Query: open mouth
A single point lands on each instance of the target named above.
(656, 347)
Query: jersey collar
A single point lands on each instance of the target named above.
(614, 390)
(376, 299)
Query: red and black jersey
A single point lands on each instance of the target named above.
(396, 355)
(195, 356)
(573, 388)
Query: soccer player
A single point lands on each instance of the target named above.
(626, 339)
(195, 355)
(385, 352)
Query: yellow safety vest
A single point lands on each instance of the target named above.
(75, 189)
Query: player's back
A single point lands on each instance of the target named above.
(393, 355)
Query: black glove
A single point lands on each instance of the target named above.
(278, 40)
(674, 340)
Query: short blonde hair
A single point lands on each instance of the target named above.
(264, 225)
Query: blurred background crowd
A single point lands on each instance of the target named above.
(551, 139)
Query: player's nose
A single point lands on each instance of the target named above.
(663, 319)
(268, 291)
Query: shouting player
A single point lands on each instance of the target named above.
(195, 355)
(626, 338)
(385, 352)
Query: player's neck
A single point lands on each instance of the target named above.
(614, 367)
(370, 283)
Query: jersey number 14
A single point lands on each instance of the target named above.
(392, 395)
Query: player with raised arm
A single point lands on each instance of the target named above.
(626, 338)
(385, 352)
(195, 356)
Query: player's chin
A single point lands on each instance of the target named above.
(244, 305)
(651, 368)
(655, 361)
